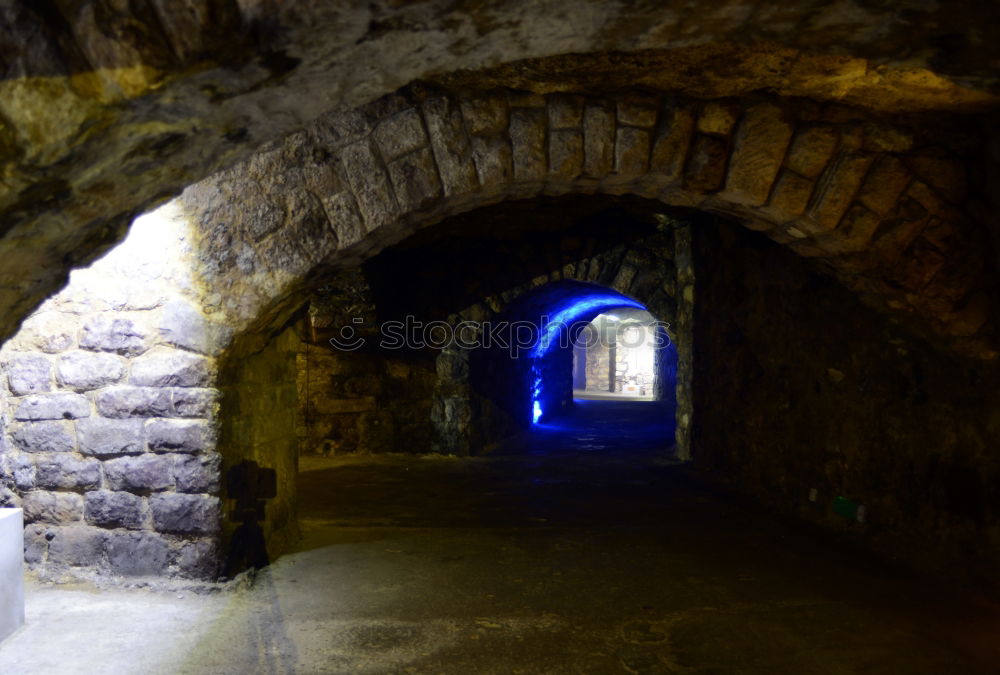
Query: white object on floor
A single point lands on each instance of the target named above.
(11, 571)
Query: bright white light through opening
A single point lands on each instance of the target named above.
(615, 357)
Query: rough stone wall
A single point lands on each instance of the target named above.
(365, 402)
(598, 363)
(359, 400)
(257, 423)
(797, 386)
(108, 418)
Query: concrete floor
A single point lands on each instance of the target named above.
(563, 553)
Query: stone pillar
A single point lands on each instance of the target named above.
(683, 337)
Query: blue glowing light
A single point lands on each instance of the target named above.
(576, 308)
(558, 325)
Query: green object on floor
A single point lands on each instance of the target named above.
(843, 506)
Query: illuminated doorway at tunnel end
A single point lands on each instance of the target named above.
(564, 319)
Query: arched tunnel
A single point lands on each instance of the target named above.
(499, 337)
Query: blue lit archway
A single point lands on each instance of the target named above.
(533, 379)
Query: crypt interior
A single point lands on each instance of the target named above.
(499, 337)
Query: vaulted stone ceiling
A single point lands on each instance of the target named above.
(109, 107)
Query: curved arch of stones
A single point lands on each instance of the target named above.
(111, 402)
(882, 212)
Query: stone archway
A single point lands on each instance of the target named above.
(871, 202)
(125, 460)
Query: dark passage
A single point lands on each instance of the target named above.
(583, 547)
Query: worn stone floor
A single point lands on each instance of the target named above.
(565, 552)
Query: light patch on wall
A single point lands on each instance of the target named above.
(151, 263)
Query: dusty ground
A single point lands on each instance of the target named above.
(563, 554)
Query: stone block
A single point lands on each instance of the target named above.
(341, 127)
(566, 152)
(527, 141)
(199, 559)
(857, 228)
(929, 199)
(631, 151)
(707, 164)
(896, 234)
(717, 118)
(8, 498)
(565, 111)
(758, 150)
(52, 407)
(178, 435)
(49, 332)
(370, 185)
(47, 436)
(183, 325)
(598, 140)
(36, 543)
(101, 437)
(11, 571)
(883, 138)
(138, 553)
(64, 471)
(124, 401)
(84, 371)
(400, 134)
(105, 508)
(671, 141)
(452, 149)
(114, 333)
(790, 197)
(636, 113)
(811, 150)
(140, 474)
(195, 402)
(485, 115)
(29, 374)
(78, 545)
(386, 106)
(171, 368)
(185, 513)
(415, 180)
(492, 156)
(22, 466)
(197, 473)
(884, 184)
(345, 219)
(56, 508)
(838, 189)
